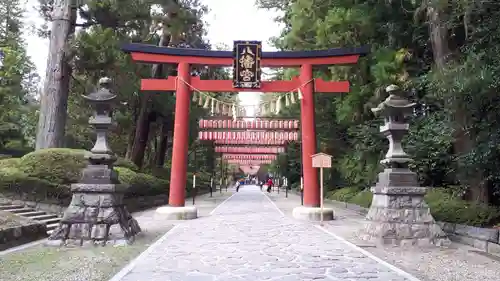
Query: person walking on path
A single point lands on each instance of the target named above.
(269, 185)
(239, 183)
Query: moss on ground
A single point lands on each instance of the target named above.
(42, 263)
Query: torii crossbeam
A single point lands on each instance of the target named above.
(184, 84)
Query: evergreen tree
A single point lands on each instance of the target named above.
(17, 79)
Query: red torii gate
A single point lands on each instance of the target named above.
(183, 84)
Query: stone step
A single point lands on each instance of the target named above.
(20, 211)
(32, 214)
(50, 221)
(10, 207)
(51, 227)
(43, 217)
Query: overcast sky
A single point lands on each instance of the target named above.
(226, 22)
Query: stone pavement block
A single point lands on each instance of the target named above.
(247, 238)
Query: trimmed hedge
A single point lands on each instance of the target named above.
(60, 165)
(343, 194)
(9, 163)
(56, 165)
(141, 184)
(48, 173)
(444, 206)
(13, 181)
(122, 162)
(363, 199)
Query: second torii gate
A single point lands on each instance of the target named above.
(184, 84)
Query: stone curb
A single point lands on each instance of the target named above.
(484, 239)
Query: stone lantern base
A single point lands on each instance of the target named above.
(312, 213)
(399, 215)
(96, 214)
(178, 213)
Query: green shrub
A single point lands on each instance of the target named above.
(161, 173)
(141, 184)
(56, 165)
(363, 199)
(343, 194)
(444, 204)
(13, 181)
(15, 148)
(60, 165)
(10, 163)
(122, 162)
(446, 207)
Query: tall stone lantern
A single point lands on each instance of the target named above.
(398, 214)
(96, 214)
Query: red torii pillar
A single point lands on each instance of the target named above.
(178, 171)
(184, 83)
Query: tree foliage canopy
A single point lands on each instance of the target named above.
(442, 53)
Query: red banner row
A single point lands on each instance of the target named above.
(250, 142)
(249, 157)
(249, 162)
(249, 149)
(253, 124)
(257, 136)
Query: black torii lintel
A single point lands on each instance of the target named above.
(191, 52)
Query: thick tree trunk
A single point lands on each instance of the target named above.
(142, 128)
(163, 143)
(439, 38)
(131, 135)
(54, 100)
(152, 143)
(141, 132)
(130, 144)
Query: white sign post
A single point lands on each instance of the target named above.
(194, 187)
(321, 160)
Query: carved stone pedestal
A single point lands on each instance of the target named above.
(96, 214)
(399, 215)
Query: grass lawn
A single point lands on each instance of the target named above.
(44, 263)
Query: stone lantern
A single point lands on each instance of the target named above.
(96, 214)
(398, 214)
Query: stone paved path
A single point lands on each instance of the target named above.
(248, 238)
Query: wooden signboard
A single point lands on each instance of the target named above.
(321, 160)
